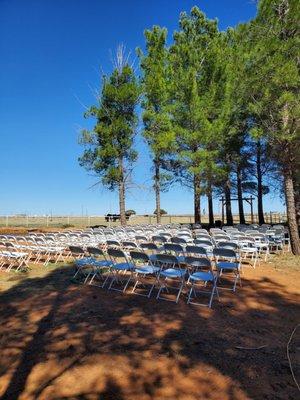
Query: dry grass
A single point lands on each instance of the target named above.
(286, 262)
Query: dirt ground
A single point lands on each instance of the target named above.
(62, 340)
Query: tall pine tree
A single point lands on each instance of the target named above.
(156, 116)
(109, 146)
(193, 95)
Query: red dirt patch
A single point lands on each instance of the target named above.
(65, 341)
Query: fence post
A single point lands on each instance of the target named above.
(6, 222)
(47, 221)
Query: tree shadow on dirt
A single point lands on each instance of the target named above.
(65, 341)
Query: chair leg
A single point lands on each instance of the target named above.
(127, 283)
(212, 296)
(179, 292)
(86, 278)
(190, 294)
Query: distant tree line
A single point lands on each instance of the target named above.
(220, 112)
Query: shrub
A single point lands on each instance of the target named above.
(130, 212)
(162, 212)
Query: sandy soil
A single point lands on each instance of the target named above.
(61, 340)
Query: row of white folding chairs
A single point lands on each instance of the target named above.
(38, 252)
(12, 258)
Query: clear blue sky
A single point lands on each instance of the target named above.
(51, 54)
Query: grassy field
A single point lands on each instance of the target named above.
(84, 221)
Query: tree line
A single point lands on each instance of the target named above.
(220, 112)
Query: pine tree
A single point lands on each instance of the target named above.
(109, 146)
(156, 117)
(193, 94)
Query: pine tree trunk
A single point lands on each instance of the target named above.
(291, 211)
(229, 218)
(260, 210)
(297, 206)
(122, 194)
(240, 196)
(157, 191)
(210, 208)
(197, 200)
(288, 169)
(296, 182)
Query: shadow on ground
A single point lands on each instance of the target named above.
(65, 341)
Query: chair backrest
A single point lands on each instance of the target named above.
(149, 246)
(184, 234)
(224, 253)
(76, 250)
(95, 251)
(197, 226)
(159, 239)
(165, 234)
(166, 260)
(201, 231)
(116, 253)
(220, 236)
(113, 243)
(148, 231)
(129, 245)
(203, 242)
(85, 236)
(139, 257)
(178, 240)
(214, 230)
(251, 231)
(198, 250)
(198, 263)
(228, 245)
(173, 247)
(278, 226)
(246, 239)
(202, 236)
(235, 234)
(259, 237)
(141, 238)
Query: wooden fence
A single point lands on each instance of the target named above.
(91, 220)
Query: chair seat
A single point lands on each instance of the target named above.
(123, 266)
(102, 263)
(249, 249)
(146, 270)
(227, 265)
(181, 259)
(173, 273)
(13, 254)
(84, 261)
(202, 276)
(261, 245)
